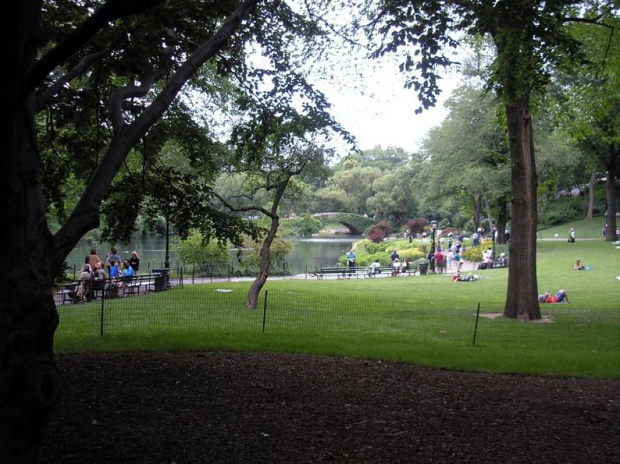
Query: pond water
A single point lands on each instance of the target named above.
(306, 254)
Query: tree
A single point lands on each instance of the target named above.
(120, 64)
(268, 183)
(193, 250)
(530, 38)
(468, 157)
(308, 225)
(590, 109)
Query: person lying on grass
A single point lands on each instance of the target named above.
(457, 277)
(560, 297)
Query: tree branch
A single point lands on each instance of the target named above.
(110, 11)
(122, 93)
(85, 216)
(43, 99)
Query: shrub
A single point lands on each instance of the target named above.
(194, 251)
(374, 248)
(416, 225)
(384, 226)
(473, 254)
(376, 234)
(449, 230)
(309, 225)
(563, 210)
(412, 254)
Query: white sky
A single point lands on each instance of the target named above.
(385, 114)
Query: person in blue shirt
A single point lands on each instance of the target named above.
(351, 259)
(114, 271)
(394, 256)
(127, 270)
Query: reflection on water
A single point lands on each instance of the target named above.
(306, 254)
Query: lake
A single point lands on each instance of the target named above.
(310, 252)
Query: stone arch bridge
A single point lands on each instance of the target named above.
(356, 223)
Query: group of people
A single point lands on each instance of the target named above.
(93, 276)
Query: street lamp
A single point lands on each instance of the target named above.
(494, 240)
(167, 258)
(432, 253)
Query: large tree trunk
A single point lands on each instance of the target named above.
(29, 385)
(522, 294)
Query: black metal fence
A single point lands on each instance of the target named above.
(214, 310)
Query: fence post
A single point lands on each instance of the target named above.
(476, 326)
(265, 310)
(102, 308)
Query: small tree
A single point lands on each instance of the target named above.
(379, 231)
(195, 251)
(309, 225)
(417, 225)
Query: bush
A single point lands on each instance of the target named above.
(473, 254)
(193, 250)
(561, 211)
(417, 225)
(412, 254)
(449, 230)
(373, 248)
(309, 226)
(376, 234)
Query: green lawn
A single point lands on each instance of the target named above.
(424, 319)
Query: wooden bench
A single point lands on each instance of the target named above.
(340, 272)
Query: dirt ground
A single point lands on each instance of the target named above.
(272, 408)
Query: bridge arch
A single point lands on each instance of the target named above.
(356, 223)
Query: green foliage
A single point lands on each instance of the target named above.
(372, 247)
(308, 225)
(473, 254)
(561, 211)
(194, 251)
(250, 260)
(367, 251)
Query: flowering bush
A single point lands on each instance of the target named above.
(376, 234)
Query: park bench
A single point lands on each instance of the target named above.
(496, 265)
(340, 272)
(67, 293)
(412, 269)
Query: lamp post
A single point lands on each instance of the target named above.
(167, 258)
(432, 253)
(494, 232)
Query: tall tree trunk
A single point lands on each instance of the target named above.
(265, 252)
(522, 294)
(591, 197)
(477, 207)
(502, 218)
(492, 220)
(265, 262)
(29, 385)
(610, 192)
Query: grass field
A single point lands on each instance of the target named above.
(424, 319)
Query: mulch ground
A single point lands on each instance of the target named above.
(266, 408)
